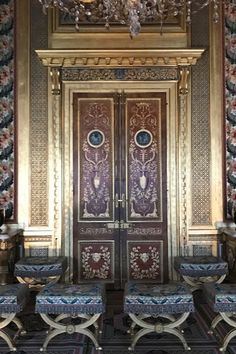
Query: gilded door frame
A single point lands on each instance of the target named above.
(171, 90)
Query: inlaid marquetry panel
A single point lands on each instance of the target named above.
(145, 260)
(96, 262)
(95, 127)
(144, 178)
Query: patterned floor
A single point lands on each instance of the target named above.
(115, 339)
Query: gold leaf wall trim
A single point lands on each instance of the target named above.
(37, 238)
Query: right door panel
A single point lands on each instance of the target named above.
(144, 231)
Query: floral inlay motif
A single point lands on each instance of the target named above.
(95, 181)
(144, 261)
(144, 171)
(7, 107)
(96, 261)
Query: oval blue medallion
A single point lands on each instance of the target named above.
(95, 138)
(143, 138)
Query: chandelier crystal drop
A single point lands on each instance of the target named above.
(132, 13)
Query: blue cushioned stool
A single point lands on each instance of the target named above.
(12, 300)
(38, 271)
(222, 299)
(86, 301)
(198, 270)
(174, 302)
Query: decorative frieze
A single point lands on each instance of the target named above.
(144, 74)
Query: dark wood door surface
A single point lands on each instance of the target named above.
(120, 188)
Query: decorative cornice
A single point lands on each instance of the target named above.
(116, 58)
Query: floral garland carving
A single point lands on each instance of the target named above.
(136, 257)
(96, 264)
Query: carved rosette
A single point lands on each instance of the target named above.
(145, 260)
(96, 260)
(144, 165)
(95, 129)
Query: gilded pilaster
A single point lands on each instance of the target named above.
(67, 175)
(183, 90)
(216, 120)
(56, 156)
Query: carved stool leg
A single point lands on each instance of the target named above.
(81, 315)
(7, 319)
(226, 317)
(18, 323)
(158, 328)
(58, 328)
(143, 316)
(38, 283)
(197, 282)
(214, 323)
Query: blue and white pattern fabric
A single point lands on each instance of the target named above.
(13, 297)
(71, 299)
(157, 299)
(200, 266)
(40, 266)
(221, 297)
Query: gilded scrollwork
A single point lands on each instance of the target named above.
(56, 83)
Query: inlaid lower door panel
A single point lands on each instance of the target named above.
(119, 177)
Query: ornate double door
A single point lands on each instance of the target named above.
(119, 187)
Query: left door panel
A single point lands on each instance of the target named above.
(95, 236)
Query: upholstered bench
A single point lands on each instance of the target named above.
(38, 271)
(174, 302)
(222, 299)
(12, 300)
(198, 270)
(70, 302)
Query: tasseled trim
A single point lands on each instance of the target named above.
(158, 309)
(71, 309)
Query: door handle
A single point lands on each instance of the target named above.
(122, 200)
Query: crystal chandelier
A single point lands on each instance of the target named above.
(130, 12)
